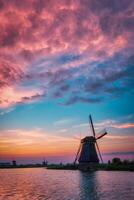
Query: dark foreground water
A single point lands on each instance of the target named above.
(42, 184)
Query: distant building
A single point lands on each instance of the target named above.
(44, 163)
(5, 164)
(14, 164)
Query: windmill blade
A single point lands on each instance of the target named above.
(91, 124)
(77, 153)
(99, 152)
(101, 132)
(101, 136)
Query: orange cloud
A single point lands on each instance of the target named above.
(116, 143)
(35, 142)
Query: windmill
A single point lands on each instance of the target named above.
(87, 153)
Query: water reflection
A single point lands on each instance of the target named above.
(103, 185)
(88, 186)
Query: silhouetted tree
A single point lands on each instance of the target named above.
(116, 161)
(126, 162)
(132, 162)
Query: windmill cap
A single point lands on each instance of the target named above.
(88, 139)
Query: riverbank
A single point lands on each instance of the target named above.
(107, 167)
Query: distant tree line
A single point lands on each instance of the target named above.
(118, 161)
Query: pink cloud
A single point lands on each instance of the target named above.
(32, 30)
(12, 95)
(122, 126)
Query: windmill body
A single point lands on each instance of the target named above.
(87, 153)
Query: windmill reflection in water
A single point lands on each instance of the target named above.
(88, 154)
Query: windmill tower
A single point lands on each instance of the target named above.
(87, 154)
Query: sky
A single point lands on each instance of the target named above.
(61, 60)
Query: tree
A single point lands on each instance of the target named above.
(125, 162)
(116, 161)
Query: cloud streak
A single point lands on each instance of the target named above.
(113, 124)
(37, 142)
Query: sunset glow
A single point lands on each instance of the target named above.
(59, 62)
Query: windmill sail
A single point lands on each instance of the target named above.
(92, 126)
(99, 152)
(77, 154)
(101, 136)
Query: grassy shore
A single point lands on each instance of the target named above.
(108, 167)
(115, 165)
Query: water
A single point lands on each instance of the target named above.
(43, 184)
